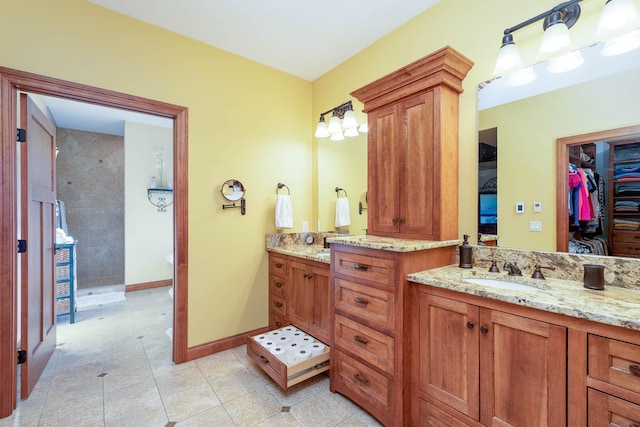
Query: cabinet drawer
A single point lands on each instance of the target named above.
(374, 269)
(606, 410)
(365, 302)
(614, 362)
(431, 416)
(368, 344)
(622, 249)
(277, 285)
(626, 237)
(276, 321)
(285, 369)
(277, 265)
(278, 305)
(373, 391)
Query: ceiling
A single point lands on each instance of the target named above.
(302, 38)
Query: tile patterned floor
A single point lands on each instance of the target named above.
(113, 368)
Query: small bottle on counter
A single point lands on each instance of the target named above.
(153, 183)
(465, 253)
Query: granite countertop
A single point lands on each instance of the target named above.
(613, 306)
(390, 243)
(313, 252)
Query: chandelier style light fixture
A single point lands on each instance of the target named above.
(337, 130)
(618, 28)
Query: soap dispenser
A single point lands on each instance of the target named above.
(465, 253)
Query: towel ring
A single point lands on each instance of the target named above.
(280, 185)
(338, 190)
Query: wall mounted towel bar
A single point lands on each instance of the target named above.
(338, 190)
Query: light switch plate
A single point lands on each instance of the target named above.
(520, 207)
(537, 206)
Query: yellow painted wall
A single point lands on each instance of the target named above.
(148, 234)
(246, 121)
(527, 133)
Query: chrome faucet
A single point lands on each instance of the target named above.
(512, 268)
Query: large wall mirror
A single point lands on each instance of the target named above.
(555, 114)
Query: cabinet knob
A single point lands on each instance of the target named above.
(401, 220)
(470, 325)
(358, 377)
(278, 265)
(394, 220)
(361, 340)
(361, 301)
(634, 369)
(359, 266)
(278, 323)
(277, 304)
(484, 329)
(278, 285)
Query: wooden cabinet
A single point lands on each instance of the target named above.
(476, 364)
(309, 298)
(624, 197)
(277, 290)
(413, 148)
(370, 358)
(614, 382)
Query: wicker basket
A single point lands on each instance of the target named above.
(63, 254)
(62, 272)
(62, 289)
(62, 306)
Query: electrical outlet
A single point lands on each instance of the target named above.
(535, 225)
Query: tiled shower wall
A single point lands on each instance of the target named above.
(90, 182)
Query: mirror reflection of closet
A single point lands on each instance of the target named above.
(488, 181)
(588, 183)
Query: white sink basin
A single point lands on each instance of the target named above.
(502, 284)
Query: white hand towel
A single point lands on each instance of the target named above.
(284, 214)
(343, 216)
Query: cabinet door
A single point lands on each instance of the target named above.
(523, 370)
(419, 189)
(384, 174)
(320, 308)
(448, 353)
(298, 294)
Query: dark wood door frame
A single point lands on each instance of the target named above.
(562, 178)
(12, 81)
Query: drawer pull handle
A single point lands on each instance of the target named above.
(634, 369)
(361, 340)
(361, 379)
(470, 325)
(359, 266)
(278, 265)
(361, 301)
(279, 285)
(264, 359)
(277, 304)
(484, 329)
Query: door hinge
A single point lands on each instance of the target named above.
(22, 135)
(22, 246)
(22, 357)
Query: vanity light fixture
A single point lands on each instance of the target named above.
(618, 27)
(338, 129)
